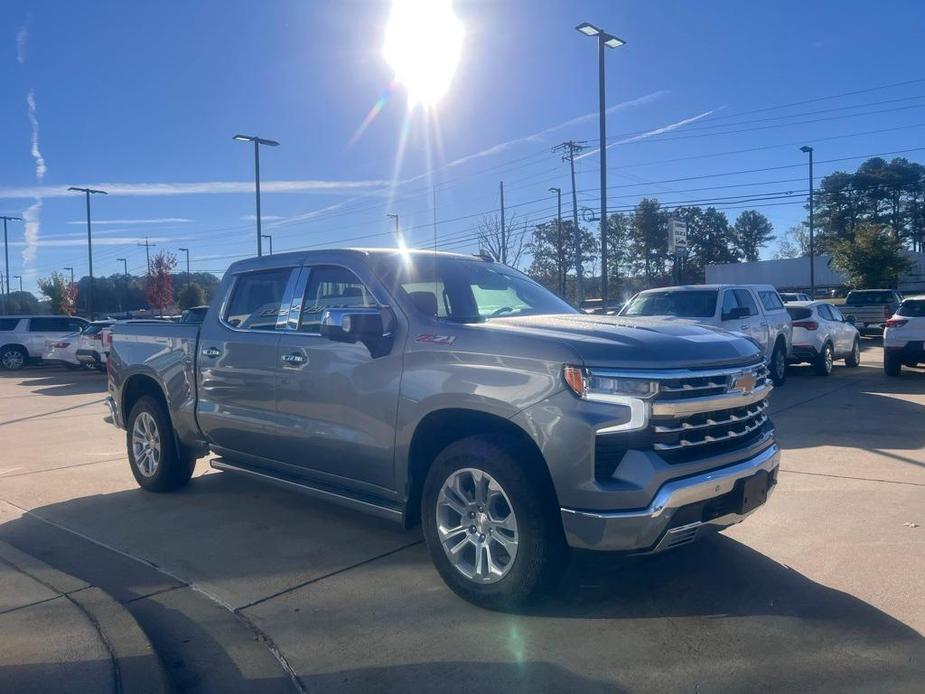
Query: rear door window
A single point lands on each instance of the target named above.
(770, 300)
(825, 312)
(331, 287)
(256, 300)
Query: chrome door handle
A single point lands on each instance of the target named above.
(211, 352)
(294, 358)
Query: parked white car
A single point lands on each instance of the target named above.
(821, 334)
(90, 348)
(63, 351)
(790, 297)
(26, 338)
(755, 311)
(904, 336)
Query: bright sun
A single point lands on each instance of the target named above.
(423, 40)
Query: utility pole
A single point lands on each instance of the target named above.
(186, 250)
(503, 230)
(812, 245)
(6, 251)
(147, 246)
(569, 149)
(88, 192)
(257, 142)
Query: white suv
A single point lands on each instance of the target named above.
(754, 310)
(904, 336)
(27, 338)
(821, 335)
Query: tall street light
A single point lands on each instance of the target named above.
(604, 40)
(391, 215)
(124, 262)
(19, 277)
(806, 149)
(560, 247)
(186, 250)
(269, 237)
(88, 192)
(257, 142)
(72, 273)
(6, 250)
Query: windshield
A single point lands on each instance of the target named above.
(467, 291)
(869, 297)
(700, 303)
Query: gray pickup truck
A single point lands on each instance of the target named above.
(868, 309)
(457, 393)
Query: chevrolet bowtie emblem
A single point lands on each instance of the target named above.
(745, 382)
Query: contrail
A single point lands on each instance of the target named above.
(650, 133)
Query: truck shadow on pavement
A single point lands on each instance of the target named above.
(53, 380)
(716, 613)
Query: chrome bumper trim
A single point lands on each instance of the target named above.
(645, 530)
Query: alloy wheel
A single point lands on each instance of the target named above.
(146, 444)
(476, 525)
(12, 359)
(829, 359)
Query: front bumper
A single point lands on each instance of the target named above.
(677, 514)
(88, 356)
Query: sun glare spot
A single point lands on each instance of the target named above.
(423, 42)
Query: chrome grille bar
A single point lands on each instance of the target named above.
(752, 411)
(730, 434)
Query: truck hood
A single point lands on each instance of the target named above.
(638, 343)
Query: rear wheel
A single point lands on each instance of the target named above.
(854, 356)
(892, 365)
(778, 364)
(825, 360)
(492, 528)
(156, 463)
(13, 357)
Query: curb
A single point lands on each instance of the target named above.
(136, 665)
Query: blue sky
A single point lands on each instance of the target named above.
(142, 99)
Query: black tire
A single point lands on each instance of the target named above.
(892, 364)
(541, 555)
(823, 363)
(853, 360)
(777, 367)
(174, 467)
(13, 358)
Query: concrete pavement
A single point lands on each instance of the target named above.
(244, 587)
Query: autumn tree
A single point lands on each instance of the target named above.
(159, 286)
(56, 289)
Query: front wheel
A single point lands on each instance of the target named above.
(156, 463)
(854, 357)
(491, 524)
(778, 364)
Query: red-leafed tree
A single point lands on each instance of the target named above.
(159, 286)
(72, 297)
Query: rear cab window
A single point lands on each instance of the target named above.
(870, 297)
(256, 301)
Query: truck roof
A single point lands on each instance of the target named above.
(695, 287)
(333, 254)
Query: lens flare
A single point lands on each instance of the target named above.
(423, 43)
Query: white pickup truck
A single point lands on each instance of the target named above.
(753, 310)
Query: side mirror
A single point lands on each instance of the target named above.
(737, 313)
(352, 325)
(851, 319)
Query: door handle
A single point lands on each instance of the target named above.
(211, 352)
(763, 325)
(294, 358)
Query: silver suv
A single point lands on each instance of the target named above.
(25, 338)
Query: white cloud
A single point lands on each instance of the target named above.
(263, 218)
(197, 188)
(22, 37)
(40, 167)
(79, 240)
(160, 220)
(650, 133)
(32, 215)
(31, 222)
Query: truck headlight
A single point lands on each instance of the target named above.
(602, 388)
(629, 394)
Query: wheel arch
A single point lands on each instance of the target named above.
(440, 428)
(137, 386)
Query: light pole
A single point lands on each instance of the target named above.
(257, 142)
(19, 277)
(124, 266)
(72, 273)
(6, 250)
(604, 40)
(88, 192)
(186, 250)
(391, 215)
(560, 261)
(269, 237)
(806, 149)
(124, 262)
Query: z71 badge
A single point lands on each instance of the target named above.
(436, 339)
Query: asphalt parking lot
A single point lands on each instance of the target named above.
(241, 587)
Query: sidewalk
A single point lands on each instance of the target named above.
(62, 634)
